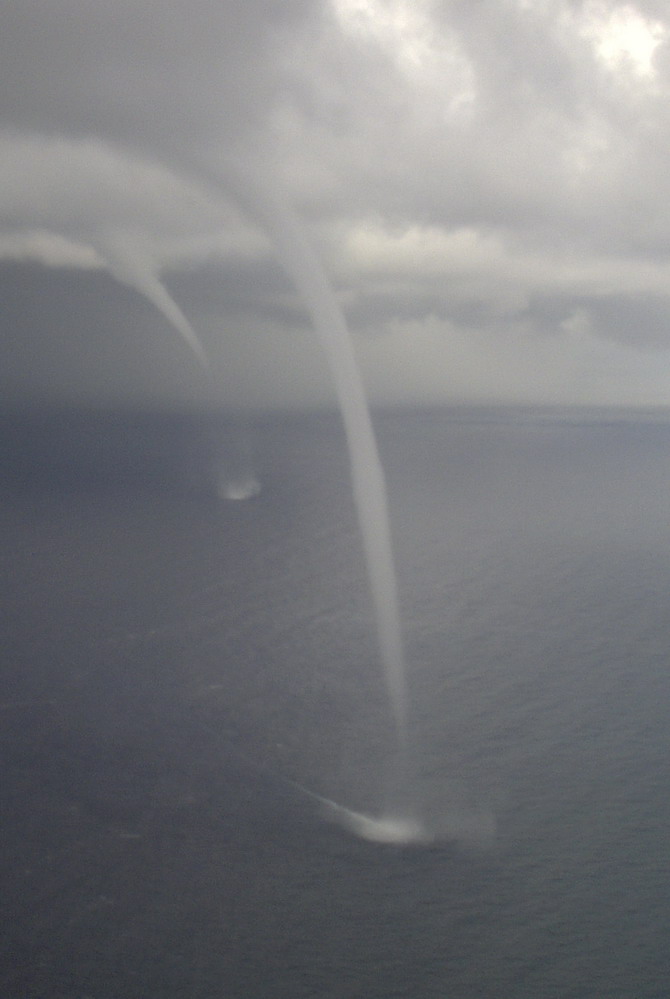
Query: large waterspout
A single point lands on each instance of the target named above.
(301, 264)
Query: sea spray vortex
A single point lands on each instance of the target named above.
(389, 829)
(468, 825)
(392, 829)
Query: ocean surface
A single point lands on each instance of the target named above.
(179, 669)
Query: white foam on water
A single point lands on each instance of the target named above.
(238, 489)
(393, 830)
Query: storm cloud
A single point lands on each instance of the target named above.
(485, 182)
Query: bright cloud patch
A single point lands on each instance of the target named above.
(623, 37)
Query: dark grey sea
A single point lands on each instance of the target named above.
(178, 666)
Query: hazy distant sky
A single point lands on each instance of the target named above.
(486, 181)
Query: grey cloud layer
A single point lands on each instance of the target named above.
(141, 71)
(496, 168)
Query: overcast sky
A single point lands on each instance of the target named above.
(487, 183)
